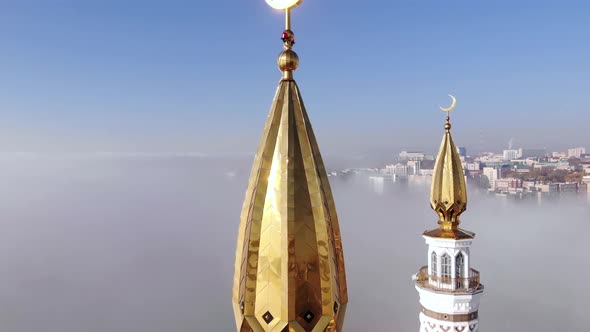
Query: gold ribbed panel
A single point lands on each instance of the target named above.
(448, 197)
(289, 272)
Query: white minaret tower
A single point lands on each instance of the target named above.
(449, 288)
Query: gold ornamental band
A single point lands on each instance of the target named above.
(450, 317)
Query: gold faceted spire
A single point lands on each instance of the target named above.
(448, 195)
(289, 270)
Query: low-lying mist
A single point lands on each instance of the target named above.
(147, 245)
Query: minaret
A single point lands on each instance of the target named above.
(289, 270)
(449, 288)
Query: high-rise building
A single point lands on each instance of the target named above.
(449, 288)
(576, 152)
(510, 154)
(289, 268)
(462, 151)
(492, 174)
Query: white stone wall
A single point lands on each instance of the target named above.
(428, 324)
(449, 303)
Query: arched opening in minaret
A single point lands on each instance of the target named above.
(445, 266)
(433, 263)
(459, 269)
(460, 265)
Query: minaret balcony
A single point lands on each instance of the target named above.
(446, 284)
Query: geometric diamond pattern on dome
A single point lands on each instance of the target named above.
(309, 316)
(267, 317)
(289, 246)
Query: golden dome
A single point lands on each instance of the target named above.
(289, 270)
(448, 194)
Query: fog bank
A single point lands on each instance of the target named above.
(147, 244)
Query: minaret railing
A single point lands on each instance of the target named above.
(469, 283)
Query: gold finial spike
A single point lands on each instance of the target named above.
(448, 194)
(288, 60)
(289, 269)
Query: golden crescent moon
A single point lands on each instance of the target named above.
(450, 108)
(283, 4)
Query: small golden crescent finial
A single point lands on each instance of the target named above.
(450, 108)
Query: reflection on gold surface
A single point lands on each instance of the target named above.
(289, 272)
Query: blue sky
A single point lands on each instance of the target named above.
(199, 76)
